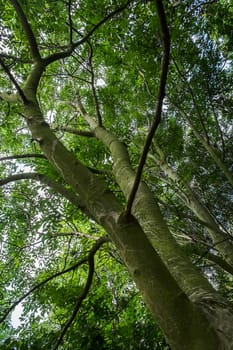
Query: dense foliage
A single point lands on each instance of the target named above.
(103, 70)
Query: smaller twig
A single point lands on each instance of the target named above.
(204, 4)
(70, 22)
(96, 102)
(56, 186)
(90, 69)
(4, 96)
(219, 130)
(71, 48)
(13, 80)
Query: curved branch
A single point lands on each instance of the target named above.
(28, 30)
(94, 249)
(83, 295)
(206, 254)
(39, 285)
(15, 59)
(163, 79)
(57, 187)
(72, 47)
(13, 80)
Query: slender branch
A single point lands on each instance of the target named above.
(190, 90)
(84, 292)
(28, 30)
(13, 80)
(22, 156)
(70, 22)
(206, 254)
(219, 130)
(71, 48)
(96, 102)
(76, 234)
(14, 58)
(92, 252)
(75, 131)
(41, 284)
(163, 79)
(57, 187)
(211, 149)
(204, 4)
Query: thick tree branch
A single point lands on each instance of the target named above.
(28, 31)
(9, 97)
(23, 156)
(72, 47)
(83, 295)
(75, 131)
(163, 78)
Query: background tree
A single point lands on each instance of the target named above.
(116, 150)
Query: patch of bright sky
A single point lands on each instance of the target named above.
(16, 314)
(100, 82)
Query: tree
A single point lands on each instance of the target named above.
(116, 119)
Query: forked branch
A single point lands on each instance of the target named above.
(72, 47)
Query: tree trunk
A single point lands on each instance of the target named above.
(188, 310)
